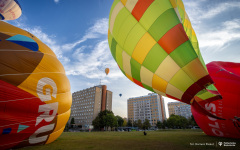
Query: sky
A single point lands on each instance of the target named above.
(76, 30)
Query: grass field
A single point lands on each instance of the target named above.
(154, 140)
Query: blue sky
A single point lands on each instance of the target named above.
(76, 30)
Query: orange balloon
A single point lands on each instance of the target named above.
(107, 71)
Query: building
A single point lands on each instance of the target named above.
(149, 107)
(88, 103)
(179, 108)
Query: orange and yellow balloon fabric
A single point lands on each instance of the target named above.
(35, 97)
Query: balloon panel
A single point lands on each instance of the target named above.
(10, 9)
(155, 46)
(35, 97)
(227, 78)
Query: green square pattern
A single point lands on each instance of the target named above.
(119, 58)
(183, 54)
(120, 19)
(153, 12)
(115, 2)
(163, 24)
(133, 38)
(113, 48)
(154, 58)
(125, 29)
(135, 69)
(148, 87)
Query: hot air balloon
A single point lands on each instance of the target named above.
(226, 75)
(10, 9)
(107, 71)
(155, 47)
(35, 97)
(120, 95)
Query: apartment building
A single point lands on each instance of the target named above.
(179, 108)
(88, 103)
(149, 107)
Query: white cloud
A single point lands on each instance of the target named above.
(98, 29)
(220, 8)
(220, 37)
(56, 1)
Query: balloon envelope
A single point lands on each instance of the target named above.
(35, 97)
(226, 75)
(156, 47)
(107, 71)
(10, 9)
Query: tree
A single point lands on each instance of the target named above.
(66, 127)
(110, 120)
(135, 123)
(183, 122)
(124, 123)
(176, 121)
(129, 123)
(165, 124)
(159, 124)
(96, 123)
(105, 118)
(139, 124)
(146, 124)
(72, 121)
(172, 121)
(191, 121)
(120, 121)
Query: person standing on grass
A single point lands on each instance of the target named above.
(144, 133)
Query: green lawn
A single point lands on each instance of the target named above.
(154, 140)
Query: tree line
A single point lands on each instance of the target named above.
(106, 119)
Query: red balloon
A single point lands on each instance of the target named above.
(226, 76)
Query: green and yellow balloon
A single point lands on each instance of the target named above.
(155, 46)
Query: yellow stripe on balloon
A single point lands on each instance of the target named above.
(167, 69)
(131, 4)
(159, 84)
(143, 47)
(126, 63)
(146, 76)
(173, 91)
(115, 12)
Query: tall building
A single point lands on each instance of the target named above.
(88, 103)
(149, 107)
(179, 108)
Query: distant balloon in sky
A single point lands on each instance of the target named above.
(35, 97)
(226, 75)
(10, 9)
(107, 71)
(156, 47)
(120, 95)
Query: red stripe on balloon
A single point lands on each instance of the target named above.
(173, 38)
(173, 97)
(140, 8)
(137, 82)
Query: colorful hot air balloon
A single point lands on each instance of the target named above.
(35, 97)
(10, 9)
(107, 71)
(156, 47)
(226, 75)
